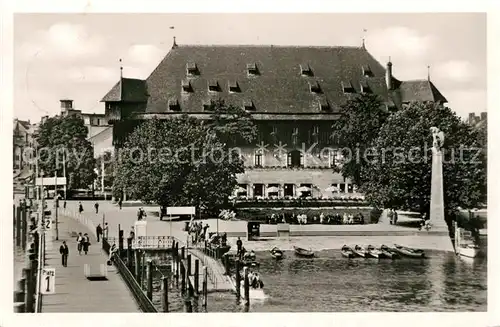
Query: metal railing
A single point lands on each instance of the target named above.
(152, 242)
(143, 301)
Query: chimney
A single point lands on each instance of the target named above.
(388, 75)
(66, 104)
(472, 117)
(483, 115)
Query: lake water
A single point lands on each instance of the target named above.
(332, 283)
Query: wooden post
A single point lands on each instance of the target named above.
(177, 268)
(150, 280)
(24, 232)
(176, 249)
(205, 286)
(188, 305)
(143, 270)
(129, 253)
(189, 264)
(246, 285)
(164, 284)
(18, 226)
(226, 265)
(196, 277)
(183, 253)
(30, 288)
(183, 277)
(238, 280)
(20, 292)
(137, 266)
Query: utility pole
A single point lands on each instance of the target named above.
(64, 173)
(56, 204)
(102, 177)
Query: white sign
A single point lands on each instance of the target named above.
(47, 222)
(181, 210)
(48, 181)
(48, 282)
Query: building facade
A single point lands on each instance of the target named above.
(293, 93)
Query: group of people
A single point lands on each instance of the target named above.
(198, 232)
(303, 219)
(83, 243)
(141, 214)
(101, 232)
(393, 216)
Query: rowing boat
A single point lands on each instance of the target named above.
(374, 253)
(347, 252)
(409, 252)
(301, 252)
(388, 253)
(360, 251)
(276, 253)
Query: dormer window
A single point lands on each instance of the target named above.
(365, 88)
(192, 69)
(305, 70)
(252, 69)
(173, 104)
(324, 105)
(186, 86)
(213, 86)
(367, 72)
(347, 87)
(208, 105)
(314, 87)
(234, 87)
(248, 105)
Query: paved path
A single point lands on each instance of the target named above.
(74, 292)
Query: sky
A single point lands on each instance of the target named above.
(76, 56)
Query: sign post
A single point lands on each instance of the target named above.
(48, 282)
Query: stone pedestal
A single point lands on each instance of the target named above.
(436, 214)
(140, 228)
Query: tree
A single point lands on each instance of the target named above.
(398, 169)
(358, 125)
(185, 161)
(64, 139)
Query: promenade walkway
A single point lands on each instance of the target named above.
(74, 292)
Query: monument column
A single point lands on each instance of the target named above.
(436, 214)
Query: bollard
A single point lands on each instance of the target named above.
(183, 253)
(189, 264)
(183, 278)
(176, 249)
(143, 271)
(165, 293)
(30, 289)
(205, 286)
(246, 285)
(196, 277)
(137, 266)
(150, 280)
(238, 280)
(19, 307)
(226, 265)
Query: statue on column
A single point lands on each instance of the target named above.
(438, 138)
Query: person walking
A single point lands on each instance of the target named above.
(395, 217)
(96, 206)
(79, 243)
(391, 216)
(120, 203)
(86, 243)
(80, 207)
(64, 251)
(98, 231)
(239, 245)
(64, 204)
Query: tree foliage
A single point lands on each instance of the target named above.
(66, 136)
(185, 161)
(398, 171)
(358, 125)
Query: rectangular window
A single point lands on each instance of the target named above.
(213, 86)
(324, 105)
(252, 69)
(248, 105)
(234, 87)
(365, 88)
(186, 86)
(208, 106)
(347, 87)
(305, 70)
(258, 159)
(192, 69)
(173, 104)
(367, 71)
(314, 87)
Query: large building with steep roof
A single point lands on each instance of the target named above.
(293, 92)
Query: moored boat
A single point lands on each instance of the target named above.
(468, 250)
(409, 252)
(347, 252)
(373, 252)
(360, 251)
(301, 252)
(387, 252)
(276, 253)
